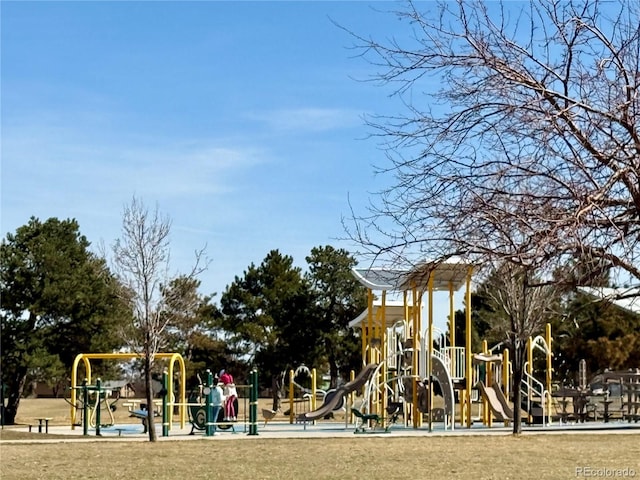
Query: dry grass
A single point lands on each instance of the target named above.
(477, 457)
(535, 457)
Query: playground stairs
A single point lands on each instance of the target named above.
(532, 410)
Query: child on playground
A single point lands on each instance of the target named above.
(230, 394)
(217, 400)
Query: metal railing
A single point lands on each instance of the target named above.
(530, 387)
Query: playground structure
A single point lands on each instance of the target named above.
(200, 406)
(301, 398)
(86, 384)
(404, 365)
(200, 412)
(410, 363)
(332, 402)
(392, 338)
(90, 406)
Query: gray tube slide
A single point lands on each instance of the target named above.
(328, 406)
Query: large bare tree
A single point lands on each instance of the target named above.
(526, 150)
(141, 260)
(518, 312)
(529, 149)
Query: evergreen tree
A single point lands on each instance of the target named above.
(338, 299)
(191, 327)
(605, 336)
(58, 300)
(266, 314)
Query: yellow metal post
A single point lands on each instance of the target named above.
(549, 376)
(486, 413)
(352, 377)
(383, 353)
(370, 334)
(430, 350)
(452, 339)
(452, 329)
(176, 357)
(363, 340)
(86, 357)
(407, 313)
(530, 373)
(468, 366)
(417, 418)
(314, 379)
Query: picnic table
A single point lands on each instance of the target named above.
(42, 422)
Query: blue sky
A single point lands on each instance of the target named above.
(242, 121)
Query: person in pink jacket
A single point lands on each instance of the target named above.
(230, 395)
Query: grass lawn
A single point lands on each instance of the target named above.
(360, 457)
(526, 457)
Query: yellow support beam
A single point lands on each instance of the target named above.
(429, 351)
(452, 329)
(87, 357)
(383, 354)
(468, 366)
(415, 363)
(530, 373)
(369, 335)
(506, 377)
(549, 376)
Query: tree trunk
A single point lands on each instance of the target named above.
(275, 389)
(149, 395)
(518, 366)
(334, 373)
(15, 387)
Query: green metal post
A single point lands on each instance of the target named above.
(253, 403)
(209, 409)
(85, 408)
(165, 406)
(98, 393)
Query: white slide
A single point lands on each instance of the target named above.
(497, 402)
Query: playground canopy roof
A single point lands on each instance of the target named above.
(451, 273)
(626, 298)
(394, 312)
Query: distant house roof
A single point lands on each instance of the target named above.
(626, 298)
(115, 384)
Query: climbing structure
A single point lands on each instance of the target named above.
(392, 335)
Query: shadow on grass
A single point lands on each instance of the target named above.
(8, 434)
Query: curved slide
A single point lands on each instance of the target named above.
(497, 402)
(439, 370)
(331, 403)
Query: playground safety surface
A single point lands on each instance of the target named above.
(134, 432)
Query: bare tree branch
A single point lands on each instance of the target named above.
(529, 151)
(141, 260)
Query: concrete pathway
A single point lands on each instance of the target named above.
(134, 432)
